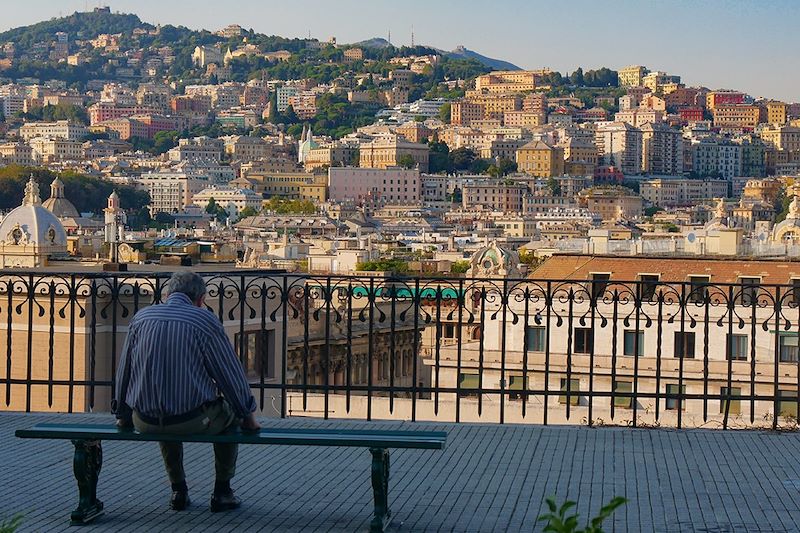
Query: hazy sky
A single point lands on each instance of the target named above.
(751, 45)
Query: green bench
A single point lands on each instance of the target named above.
(89, 455)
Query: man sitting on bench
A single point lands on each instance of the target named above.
(175, 363)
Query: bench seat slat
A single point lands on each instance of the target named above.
(430, 440)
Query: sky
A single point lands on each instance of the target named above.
(749, 45)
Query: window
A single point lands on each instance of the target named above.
(648, 284)
(468, 381)
(788, 403)
(574, 388)
(599, 284)
(535, 338)
(748, 291)
(698, 288)
(673, 401)
(624, 402)
(633, 342)
(684, 345)
(796, 291)
(516, 384)
(584, 340)
(735, 403)
(257, 355)
(737, 348)
(788, 347)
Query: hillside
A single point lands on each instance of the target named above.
(496, 64)
(78, 26)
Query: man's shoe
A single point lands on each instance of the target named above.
(180, 500)
(224, 501)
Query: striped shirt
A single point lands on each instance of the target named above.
(179, 358)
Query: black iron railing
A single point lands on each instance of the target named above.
(637, 353)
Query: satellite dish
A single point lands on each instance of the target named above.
(691, 237)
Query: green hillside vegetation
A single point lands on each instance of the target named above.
(86, 193)
(78, 26)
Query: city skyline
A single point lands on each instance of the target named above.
(676, 37)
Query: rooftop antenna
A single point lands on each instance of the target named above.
(390, 37)
(412, 36)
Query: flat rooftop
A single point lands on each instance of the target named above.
(489, 478)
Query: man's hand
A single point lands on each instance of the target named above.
(124, 423)
(250, 423)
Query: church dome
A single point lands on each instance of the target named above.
(32, 225)
(58, 203)
(493, 261)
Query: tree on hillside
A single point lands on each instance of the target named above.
(406, 161)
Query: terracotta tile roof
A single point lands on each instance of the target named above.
(579, 267)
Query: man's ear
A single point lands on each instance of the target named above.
(200, 302)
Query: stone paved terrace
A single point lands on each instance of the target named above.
(490, 478)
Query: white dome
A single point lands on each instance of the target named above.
(32, 224)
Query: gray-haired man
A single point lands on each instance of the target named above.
(175, 363)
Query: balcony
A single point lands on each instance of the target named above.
(511, 355)
(434, 349)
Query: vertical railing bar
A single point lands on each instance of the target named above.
(614, 341)
(592, 316)
(327, 366)
(481, 343)
(548, 312)
(29, 371)
(504, 301)
(638, 302)
(263, 355)
(570, 316)
(706, 333)
(753, 355)
(306, 347)
(93, 343)
(437, 349)
(51, 344)
(415, 353)
(461, 299)
(776, 352)
(659, 342)
(10, 288)
(681, 399)
(349, 346)
(729, 357)
(73, 298)
(284, 344)
(115, 301)
(524, 396)
(370, 346)
(392, 346)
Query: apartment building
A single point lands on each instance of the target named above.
(723, 97)
(385, 186)
(736, 116)
(631, 76)
(16, 153)
(493, 195)
(680, 192)
(781, 137)
(662, 149)
(716, 156)
(389, 151)
(510, 81)
(232, 199)
(619, 145)
(197, 148)
(171, 192)
(540, 159)
(46, 150)
(61, 129)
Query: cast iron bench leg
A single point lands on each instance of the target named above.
(86, 466)
(380, 489)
